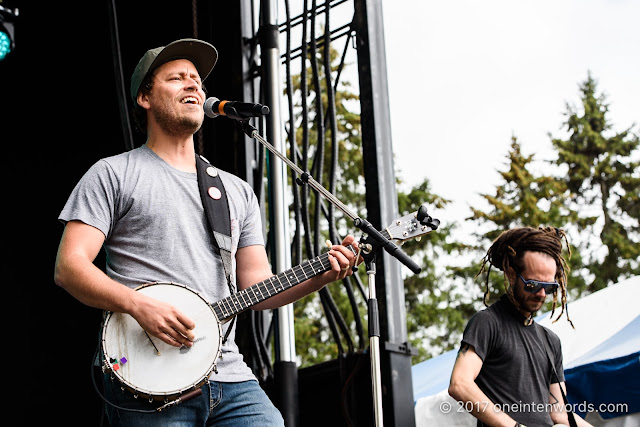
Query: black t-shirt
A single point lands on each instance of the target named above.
(516, 372)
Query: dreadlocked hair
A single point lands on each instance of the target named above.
(508, 251)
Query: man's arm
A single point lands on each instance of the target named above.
(252, 266)
(558, 413)
(463, 388)
(76, 273)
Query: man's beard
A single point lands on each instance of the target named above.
(177, 125)
(526, 301)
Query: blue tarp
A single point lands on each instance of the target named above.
(606, 381)
(432, 376)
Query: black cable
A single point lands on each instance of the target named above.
(122, 93)
(297, 238)
(266, 355)
(296, 20)
(339, 320)
(341, 64)
(334, 160)
(199, 137)
(104, 399)
(319, 154)
(353, 303)
(257, 342)
(306, 220)
(331, 107)
(327, 306)
(360, 287)
(336, 34)
(356, 312)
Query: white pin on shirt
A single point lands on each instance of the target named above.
(211, 171)
(214, 193)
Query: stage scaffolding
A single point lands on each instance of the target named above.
(288, 33)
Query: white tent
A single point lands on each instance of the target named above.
(601, 362)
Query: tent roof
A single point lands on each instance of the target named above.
(432, 375)
(625, 342)
(597, 318)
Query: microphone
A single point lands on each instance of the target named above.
(213, 107)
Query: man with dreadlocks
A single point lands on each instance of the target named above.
(503, 373)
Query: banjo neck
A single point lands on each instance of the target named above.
(240, 301)
(412, 225)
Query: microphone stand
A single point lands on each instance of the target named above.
(369, 247)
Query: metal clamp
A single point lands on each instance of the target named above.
(404, 348)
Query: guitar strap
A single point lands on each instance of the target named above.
(547, 346)
(216, 207)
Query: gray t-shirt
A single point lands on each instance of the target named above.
(156, 230)
(516, 372)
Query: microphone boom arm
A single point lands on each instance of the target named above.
(378, 239)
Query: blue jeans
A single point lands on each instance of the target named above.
(221, 404)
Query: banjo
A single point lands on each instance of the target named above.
(150, 368)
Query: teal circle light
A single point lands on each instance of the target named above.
(5, 45)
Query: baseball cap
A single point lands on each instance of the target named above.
(202, 54)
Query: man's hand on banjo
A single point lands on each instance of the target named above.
(163, 321)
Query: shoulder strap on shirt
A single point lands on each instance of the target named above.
(216, 207)
(547, 346)
(214, 201)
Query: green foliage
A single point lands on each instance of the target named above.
(528, 199)
(435, 303)
(524, 199)
(602, 172)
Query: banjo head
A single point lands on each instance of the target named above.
(148, 366)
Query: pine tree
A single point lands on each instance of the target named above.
(524, 199)
(527, 199)
(603, 173)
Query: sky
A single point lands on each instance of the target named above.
(465, 76)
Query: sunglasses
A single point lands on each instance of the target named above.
(534, 286)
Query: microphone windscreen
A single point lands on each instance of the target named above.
(209, 109)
